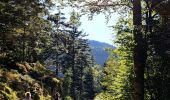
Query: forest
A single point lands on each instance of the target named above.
(32, 39)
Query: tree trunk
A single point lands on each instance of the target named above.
(73, 77)
(73, 70)
(140, 52)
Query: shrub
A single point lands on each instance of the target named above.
(7, 93)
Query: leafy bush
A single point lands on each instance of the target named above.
(7, 93)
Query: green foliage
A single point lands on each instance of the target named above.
(23, 30)
(89, 89)
(68, 98)
(117, 74)
(157, 70)
(97, 72)
(30, 34)
(16, 84)
(104, 96)
(98, 51)
(7, 93)
(154, 37)
(28, 79)
(70, 52)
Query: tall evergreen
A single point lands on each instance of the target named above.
(18, 27)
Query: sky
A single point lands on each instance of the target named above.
(98, 29)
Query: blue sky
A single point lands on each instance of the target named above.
(98, 29)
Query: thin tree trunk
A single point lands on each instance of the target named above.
(73, 70)
(73, 77)
(140, 52)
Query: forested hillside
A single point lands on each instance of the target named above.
(32, 39)
(99, 51)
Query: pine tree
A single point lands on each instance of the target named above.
(18, 26)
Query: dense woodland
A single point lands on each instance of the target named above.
(32, 38)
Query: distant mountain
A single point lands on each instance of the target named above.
(98, 51)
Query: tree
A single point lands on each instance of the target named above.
(89, 89)
(140, 51)
(140, 48)
(16, 28)
(157, 53)
(117, 80)
(71, 52)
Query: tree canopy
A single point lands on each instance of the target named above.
(48, 55)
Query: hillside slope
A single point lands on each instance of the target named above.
(98, 51)
(18, 78)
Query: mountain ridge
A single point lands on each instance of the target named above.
(98, 51)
